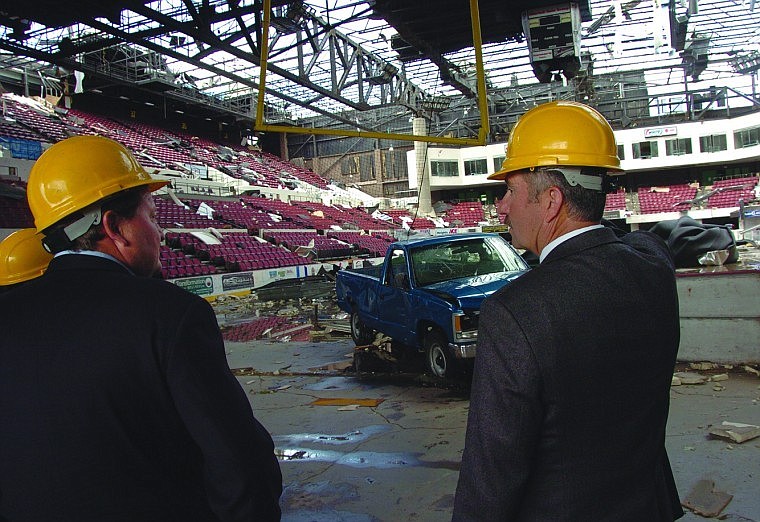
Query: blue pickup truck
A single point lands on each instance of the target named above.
(426, 295)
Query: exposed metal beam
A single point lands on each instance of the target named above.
(401, 91)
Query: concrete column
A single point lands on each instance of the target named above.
(284, 155)
(424, 204)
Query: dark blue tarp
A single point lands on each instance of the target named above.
(23, 149)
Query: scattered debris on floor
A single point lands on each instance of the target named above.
(301, 311)
(340, 401)
(705, 500)
(688, 378)
(735, 432)
(339, 366)
(702, 366)
(691, 373)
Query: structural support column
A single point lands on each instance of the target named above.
(424, 204)
(284, 153)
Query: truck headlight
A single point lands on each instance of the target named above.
(465, 325)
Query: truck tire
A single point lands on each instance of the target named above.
(438, 359)
(360, 333)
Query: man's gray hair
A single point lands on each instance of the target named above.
(582, 203)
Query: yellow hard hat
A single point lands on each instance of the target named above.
(557, 134)
(79, 171)
(22, 257)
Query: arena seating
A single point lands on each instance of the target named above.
(236, 215)
(14, 210)
(323, 247)
(255, 329)
(615, 201)
(374, 245)
(465, 214)
(38, 118)
(364, 221)
(11, 129)
(176, 264)
(237, 252)
(396, 214)
(321, 231)
(672, 198)
(730, 191)
(171, 215)
(421, 223)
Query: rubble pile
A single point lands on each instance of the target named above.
(304, 311)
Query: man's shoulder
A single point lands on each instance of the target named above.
(109, 272)
(166, 289)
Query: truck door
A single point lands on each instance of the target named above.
(393, 299)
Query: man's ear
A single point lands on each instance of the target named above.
(112, 227)
(553, 203)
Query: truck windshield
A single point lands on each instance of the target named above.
(463, 258)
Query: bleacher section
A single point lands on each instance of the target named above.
(615, 201)
(255, 329)
(374, 245)
(171, 215)
(728, 192)
(236, 252)
(14, 210)
(673, 198)
(396, 214)
(260, 232)
(46, 123)
(174, 264)
(11, 129)
(238, 214)
(311, 244)
(465, 214)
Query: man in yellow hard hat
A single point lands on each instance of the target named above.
(116, 400)
(559, 429)
(22, 258)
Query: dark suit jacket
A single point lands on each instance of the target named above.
(117, 404)
(571, 388)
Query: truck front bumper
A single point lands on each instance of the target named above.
(463, 351)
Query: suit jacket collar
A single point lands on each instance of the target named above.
(590, 239)
(76, 261)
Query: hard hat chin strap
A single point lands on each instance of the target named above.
(61, 238)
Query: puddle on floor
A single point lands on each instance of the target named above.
(361, 459)
(333, 383)
(355, 459)
(355, 436)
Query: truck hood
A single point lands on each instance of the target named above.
(470, 291)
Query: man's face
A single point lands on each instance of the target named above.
(520, 212)
(145, 236)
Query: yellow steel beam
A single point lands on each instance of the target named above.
(482, 95)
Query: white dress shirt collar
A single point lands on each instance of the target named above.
(564, 237)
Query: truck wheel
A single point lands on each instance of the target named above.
(440, 362)
(359, 331)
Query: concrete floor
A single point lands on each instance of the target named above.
(399, 460)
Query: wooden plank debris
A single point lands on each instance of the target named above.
(705, 500)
